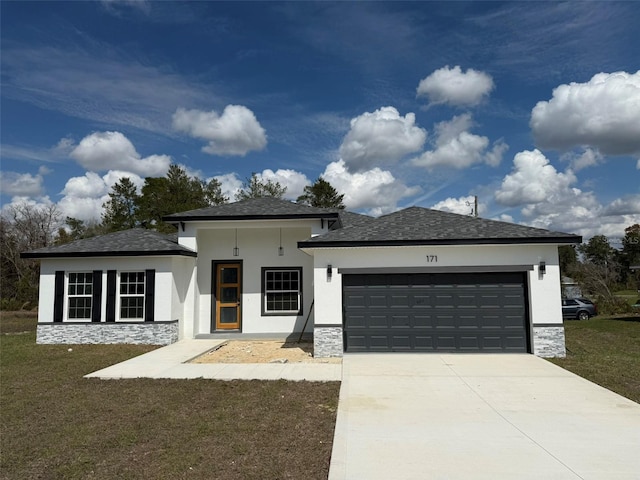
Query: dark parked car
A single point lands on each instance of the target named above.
(580, 308)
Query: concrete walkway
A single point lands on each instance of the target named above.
(429, 416)
(170, 362)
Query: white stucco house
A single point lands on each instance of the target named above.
(413, 280)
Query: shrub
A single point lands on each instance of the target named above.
(612, 305)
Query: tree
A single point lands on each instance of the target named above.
(597, 250)
(213, 192)
(177, 192)
(568, 259)
(321, 194)
(78, 229)
(24, 227)
(120, 210)
(630, 255)
(256, 188)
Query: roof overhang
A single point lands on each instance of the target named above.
(311, 244)
(168, 253)
(219, 218)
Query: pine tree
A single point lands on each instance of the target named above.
(120, 211)
(256, 188)
(321, 194)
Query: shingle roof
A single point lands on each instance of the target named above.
(263, 208)
(421, 226)
(350, 219)
(135, 242)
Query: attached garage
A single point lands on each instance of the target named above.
(467, 312)
(421, 280)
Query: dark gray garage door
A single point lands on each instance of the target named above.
(475, 312)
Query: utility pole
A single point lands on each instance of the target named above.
(474, 210)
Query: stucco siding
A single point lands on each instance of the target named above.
(258, 244)
(543, 290)
(167, 304)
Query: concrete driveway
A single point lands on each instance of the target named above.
(430, 416)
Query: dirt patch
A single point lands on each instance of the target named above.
(263, 351)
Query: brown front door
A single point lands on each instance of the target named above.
(228, 295)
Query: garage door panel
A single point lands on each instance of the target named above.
(435, 312)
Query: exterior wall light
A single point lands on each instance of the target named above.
(236, 250)
(280, 249)
(542, 268)
(329, 272)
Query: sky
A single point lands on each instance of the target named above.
(533, 107)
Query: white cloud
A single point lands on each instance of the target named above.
(533, 180)
(579, 161)
(230, 184)
(20, 200)
(628, 205)
(381, 137)
(102, 151)
(375, 190)
(21, 184)
(454, 87)
(462, 205)
(84, 196)
(603, 113)
(235, 132)
(582, 214)
(457, 148)
(549, 200)
(294, 181)
(90, 185)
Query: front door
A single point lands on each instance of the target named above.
(228, 295)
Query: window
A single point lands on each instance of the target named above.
(281, 291)
(132, 295)
(80, 290)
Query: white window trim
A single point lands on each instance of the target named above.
(265, 291)
(120, 296)
(68, 296)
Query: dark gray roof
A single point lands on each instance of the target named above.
(421, 226)
(263, 208)
(350, 219)
(135, 242)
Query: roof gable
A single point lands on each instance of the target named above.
(134, 242)
(422, 226)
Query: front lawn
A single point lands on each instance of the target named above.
(56, 424)
(605, 350)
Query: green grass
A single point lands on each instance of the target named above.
(632, 297)
(56, 424)
(605, 350)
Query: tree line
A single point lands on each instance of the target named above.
(25, 227)
(596, 266)
(600, 270)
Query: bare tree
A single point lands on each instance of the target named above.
(24, 227)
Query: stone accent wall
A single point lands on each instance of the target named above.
(327, 342)
(138, 333)
(548, 341)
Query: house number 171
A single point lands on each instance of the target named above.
(432, 258)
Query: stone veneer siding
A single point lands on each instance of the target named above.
(327, 342)
(548, 341)
(137, 333)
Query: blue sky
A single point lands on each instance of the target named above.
(533, 107)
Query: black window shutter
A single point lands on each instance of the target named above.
(111, 296)
(96, 301)
(58, 297)
(149, 296)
